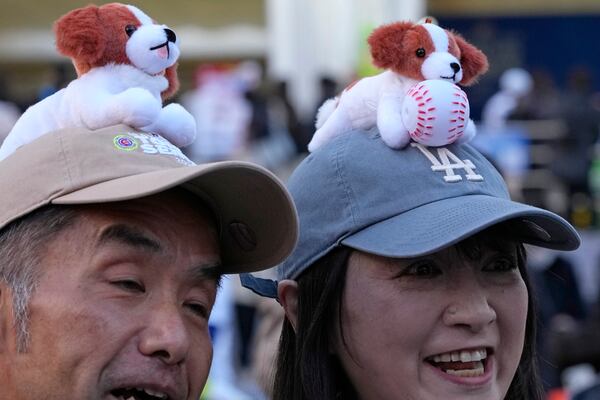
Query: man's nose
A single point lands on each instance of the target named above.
(469, 307)
(166, 336)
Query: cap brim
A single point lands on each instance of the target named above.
(443, 223)
(238, 192)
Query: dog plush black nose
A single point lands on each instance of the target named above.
(455, 67)
(171, 37)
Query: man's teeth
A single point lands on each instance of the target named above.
(130, 394)
(159, 395)
(462, 356)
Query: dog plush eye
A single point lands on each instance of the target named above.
(129, 29)
(420, 52)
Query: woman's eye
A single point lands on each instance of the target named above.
(130, 285)
(198, 309)
(422, 269)
(501, 265)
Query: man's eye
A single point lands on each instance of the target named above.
(198, 309)
(422, 270)
(130, 285)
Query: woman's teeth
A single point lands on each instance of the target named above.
(462, 356)
(466, 363)
(476, 370)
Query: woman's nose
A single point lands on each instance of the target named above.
(469, 307)
(166, 336)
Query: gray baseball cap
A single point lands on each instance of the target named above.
(257, 221)
(359, 193)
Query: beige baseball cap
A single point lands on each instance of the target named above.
(256, 216)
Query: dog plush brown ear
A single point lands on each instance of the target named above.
(171, 75)
(387, 43)
(79, 36)
(474, 63)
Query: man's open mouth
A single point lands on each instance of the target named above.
(138, 394)
(466, 363)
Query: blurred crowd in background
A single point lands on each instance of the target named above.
(538, 118)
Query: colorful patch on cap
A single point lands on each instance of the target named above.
(125, 142)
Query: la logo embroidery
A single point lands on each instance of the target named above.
(444, 164)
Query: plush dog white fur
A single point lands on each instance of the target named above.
(410, 53)
(126, 66)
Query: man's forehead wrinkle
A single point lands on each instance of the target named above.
(128, 235)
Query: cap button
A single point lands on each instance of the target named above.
(243, 235)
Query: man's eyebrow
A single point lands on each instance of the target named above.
(205, 272)
(130, 236)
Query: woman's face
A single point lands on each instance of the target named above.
(444, 326)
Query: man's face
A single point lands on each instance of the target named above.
(121, 310)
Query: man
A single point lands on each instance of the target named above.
(112, 244)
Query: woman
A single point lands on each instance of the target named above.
(408, 280)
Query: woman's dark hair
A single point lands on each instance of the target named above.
(308, 370)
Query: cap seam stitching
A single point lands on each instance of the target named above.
(67, 169)
(345, 187)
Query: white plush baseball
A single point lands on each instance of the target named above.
(435, 112)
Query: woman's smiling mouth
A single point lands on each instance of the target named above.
(463, 364)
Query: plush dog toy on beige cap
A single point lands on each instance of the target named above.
(126, 67)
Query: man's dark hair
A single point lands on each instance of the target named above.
(22, 244)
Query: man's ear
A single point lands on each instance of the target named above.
(287, 291)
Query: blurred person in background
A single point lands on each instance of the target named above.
(505, 143)
(274, 127)
(559, 299)
(543, 100)
(58, 78)
(299, 132)
(515, 84)
(222, 112)
(575, 152)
